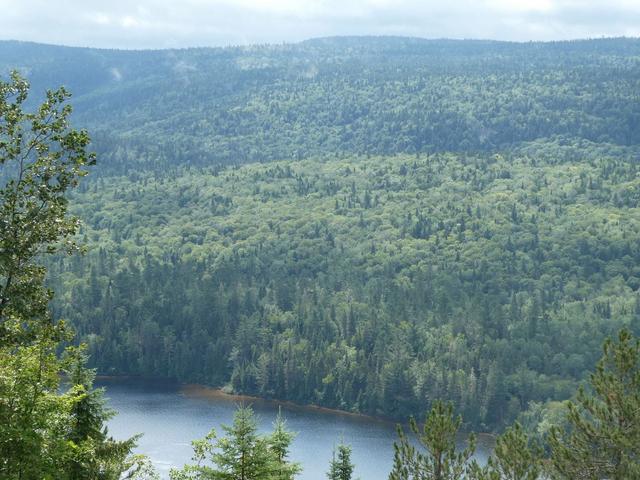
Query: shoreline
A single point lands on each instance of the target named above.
(197, 390)
(204, 391)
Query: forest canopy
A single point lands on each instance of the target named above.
(363, 223)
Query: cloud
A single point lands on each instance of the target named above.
(116, 74)
(170, 23)
(98, 18)
(129, 22)
(522, 6)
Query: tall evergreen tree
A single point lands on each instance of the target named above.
(95, 453)
(242, 454)
(440, 460)
(513, 458)
(279, 444)
(603, 437)
(341, 467)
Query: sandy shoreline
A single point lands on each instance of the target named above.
(203, 391)
(196, 390)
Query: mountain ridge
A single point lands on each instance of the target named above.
(381, 96)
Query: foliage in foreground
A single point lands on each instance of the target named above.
(242, 454)
(48, 430)
(603, 440)
(340, 467)
(376, 279)
(600, 441)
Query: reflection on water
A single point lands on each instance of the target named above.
(171, 416)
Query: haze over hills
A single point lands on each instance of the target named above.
(352, 95)
(367, 223)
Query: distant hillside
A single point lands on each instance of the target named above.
(360, 95)
(433, 219)
(373, 285)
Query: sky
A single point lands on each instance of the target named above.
(142, 24)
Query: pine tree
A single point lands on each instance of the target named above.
(440, 460)
(603, 437)
(513, 458)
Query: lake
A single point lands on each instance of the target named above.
(170, 416)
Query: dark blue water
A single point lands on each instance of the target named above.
(170, 417)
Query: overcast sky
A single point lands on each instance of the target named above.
(185, 23)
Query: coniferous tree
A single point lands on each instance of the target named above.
(279, 444)
(341, 467)
(513, 458)
(242, 454)
(440, 460)
(602, 440)
(95, 453)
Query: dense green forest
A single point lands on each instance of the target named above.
(327, 97)
(373, 285)
(363, 223)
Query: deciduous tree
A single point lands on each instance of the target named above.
(46, 430)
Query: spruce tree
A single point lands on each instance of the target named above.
(242, 454)
(279, 444)
(341, 467)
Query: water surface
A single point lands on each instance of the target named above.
(171, 416)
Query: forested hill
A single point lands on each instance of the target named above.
(373, 285)
(429, 219)
(338, 95)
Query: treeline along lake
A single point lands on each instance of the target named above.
(171, 415)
